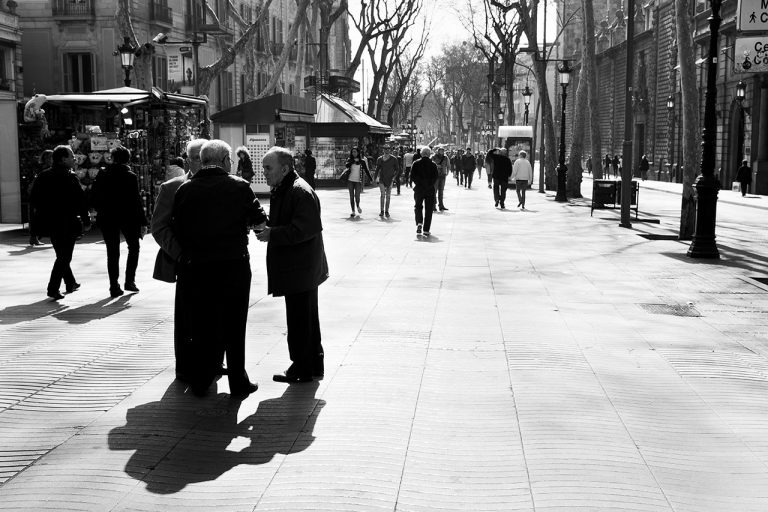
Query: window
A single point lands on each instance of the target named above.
(225, 82)
(79, 72)
(160, 72)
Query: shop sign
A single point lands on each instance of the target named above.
(175, 71)
(752, 15)
(751, 54)
(99, 143)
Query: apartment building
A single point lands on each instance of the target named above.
(69, 46)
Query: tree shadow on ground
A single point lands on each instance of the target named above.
(729, 257)
(180, 440)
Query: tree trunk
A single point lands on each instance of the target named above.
(589, 63)
(690, 110)
(301, 11)
(575, 171)
(141, 75)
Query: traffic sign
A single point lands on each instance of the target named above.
(750, 54)
(752, 15)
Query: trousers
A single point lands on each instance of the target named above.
(303, 321)
(111, 234)
(425, 203)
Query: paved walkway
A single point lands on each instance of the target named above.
(542, 360)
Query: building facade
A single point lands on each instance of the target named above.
(11, 85)
(70, 45)
(657, 129)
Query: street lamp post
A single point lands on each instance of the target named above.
(707, 185)
(500, 117)
(562, 169)
(671, 110)
(527, 100)
(127, 53)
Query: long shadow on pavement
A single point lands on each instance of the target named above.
(96, 311)
(29, 312)
(180, 440)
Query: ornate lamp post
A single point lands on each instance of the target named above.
(671, 110)
(741, 91)
(562, 169)
(707, 184)
(127, 53)
(527, 93)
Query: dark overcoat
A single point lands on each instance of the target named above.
(296, 259)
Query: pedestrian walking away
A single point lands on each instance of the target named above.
(310, 167)
(166, 261)
(387, 171)
(479, 161)
(615, 163)
(296, 263)
(358, 171)
(407, 164)
(119, 209)
(522, 175)
(488, 164)
(468, 167)
(744, 177)
(441, 161)
(607, 165)
(502, 169)
(62, 214)
(46, 161)
(644, 166)
(424, 178)
(212, 212)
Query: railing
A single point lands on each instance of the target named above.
(159, 11)
(79, 8)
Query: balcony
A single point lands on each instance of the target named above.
(74, 8)
(159, 12)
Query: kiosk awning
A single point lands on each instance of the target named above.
(515, 131)
(333, 110)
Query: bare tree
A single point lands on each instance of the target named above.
(589, 75)
(684, 21)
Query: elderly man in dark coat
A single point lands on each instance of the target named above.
(212, 214)
(296, 262)
(502, 170)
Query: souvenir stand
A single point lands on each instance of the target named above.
(154, 125)
(337, 128)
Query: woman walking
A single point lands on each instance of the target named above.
(244, 165)
(356, 165)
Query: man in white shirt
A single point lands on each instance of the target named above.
(407, 163)
(522, 174)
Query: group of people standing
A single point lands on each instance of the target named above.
(202, 220)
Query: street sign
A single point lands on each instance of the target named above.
(185, 49)
(752, 15)
(750, 54)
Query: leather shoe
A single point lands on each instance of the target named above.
(131, 287)
(73, 288)
(115, 291)
(243, 389)
(291, 378)
(55, 294)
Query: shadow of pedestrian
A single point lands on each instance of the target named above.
(28, 312)
(30, 249)
(96, 311)
(179, 441)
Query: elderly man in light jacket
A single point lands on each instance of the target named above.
(522, 174)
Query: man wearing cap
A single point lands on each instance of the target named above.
(522, 174)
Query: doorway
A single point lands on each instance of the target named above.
(735, 146)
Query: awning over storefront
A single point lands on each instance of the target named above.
(127, 97)
(337, 117)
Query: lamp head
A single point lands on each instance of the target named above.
(527, 93)
(670, 102)
(565, 73)
(741, 91)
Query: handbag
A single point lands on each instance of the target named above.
(165, 267)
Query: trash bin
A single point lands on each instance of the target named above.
(603, 193)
